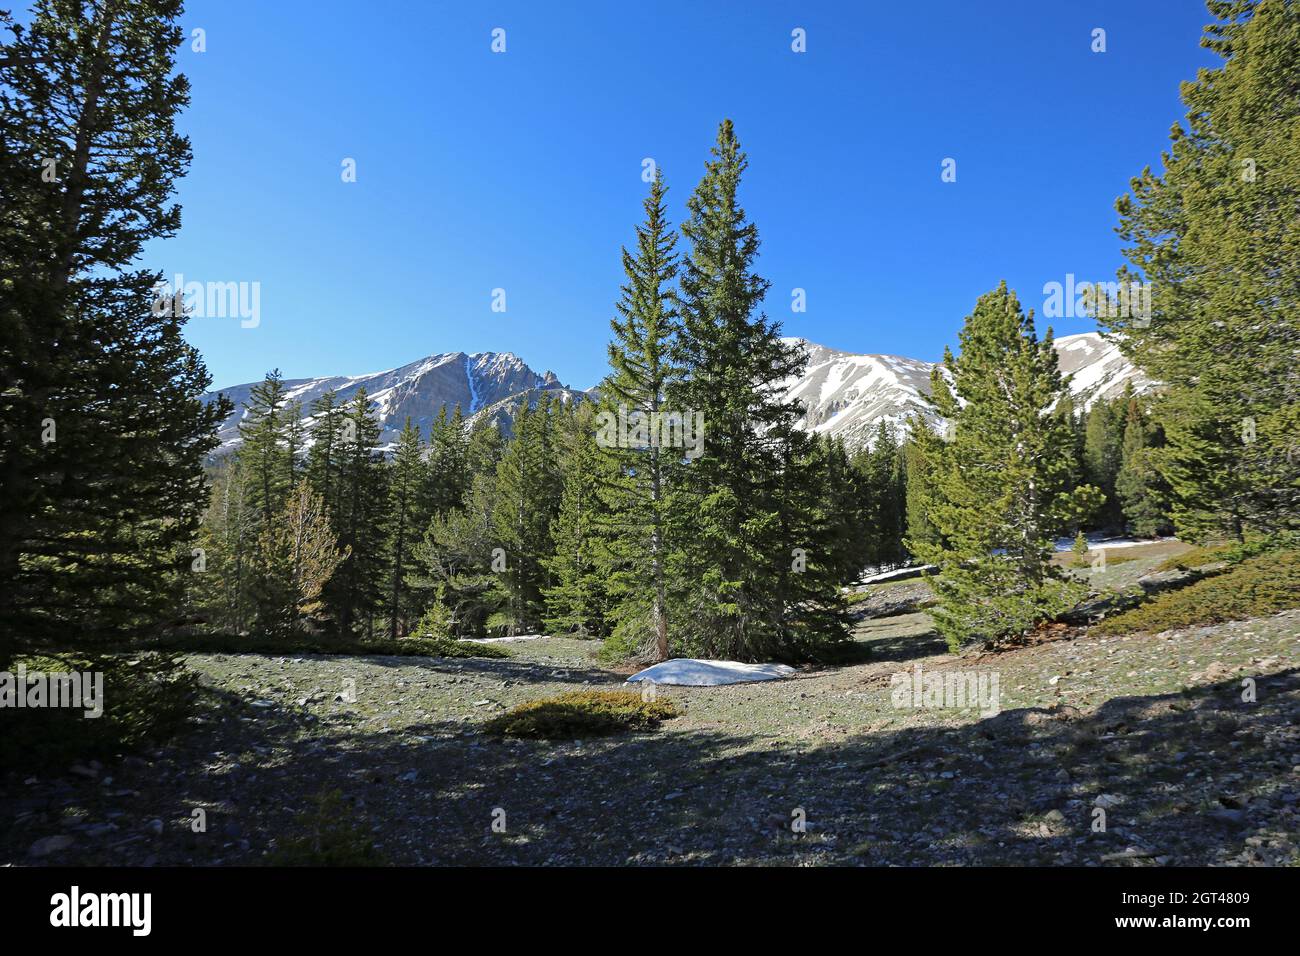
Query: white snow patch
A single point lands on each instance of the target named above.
(692, 672)
(1096, 540)
(473, 389)
(502, 640)
(899, 573)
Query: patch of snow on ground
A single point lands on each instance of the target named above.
(503, 640)
(904, 572)
(691, 672)
(1096, 540)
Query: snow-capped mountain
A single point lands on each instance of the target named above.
(1098, 367)
(847, 395)
(477, 383)
(844, 394)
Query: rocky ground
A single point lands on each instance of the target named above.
(1134, 751)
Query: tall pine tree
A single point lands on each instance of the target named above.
(1214, 232)
(636, 496)
(355, 593)
(750, 569)
(409, 515)
(102, 431)
(577, 599)
(265, 452)
(527, 499)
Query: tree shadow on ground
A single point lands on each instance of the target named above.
(910, 643)
(1183, 778)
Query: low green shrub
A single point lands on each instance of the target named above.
(1255, 587)
(1229, 552)
(431, 647)
(587, 713)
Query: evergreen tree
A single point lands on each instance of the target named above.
(850, 506)
(265, 451)
(460, 564)
(919, 453)
(409, 515)
(356, 592)
(486, 446)
(883, 472)
(1069, 414)
(102, 431)
(750, 574)
(449, 461)
(999, 494)
(227, 539)
(527, 499)
(325, 455)
(577, 600)
(1139, 486)
(1080, 549)
(1103, 436)
(460, 575)
(296, 556)
(636, 497)
(1214, 234)
(293, 442)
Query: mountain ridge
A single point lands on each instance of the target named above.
(844, 394)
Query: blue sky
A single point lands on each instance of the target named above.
(522, 170)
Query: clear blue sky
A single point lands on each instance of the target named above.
(522, 170)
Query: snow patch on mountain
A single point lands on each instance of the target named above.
(848, 395)
(843, 394)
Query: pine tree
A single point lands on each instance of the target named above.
(1069, 414)
(527, 499)
(577, 600)
(228, 541)
(1214, 234)
(264, 452)
(102, 431)
(296, 556)
(356, 592)
(751, 576)
(1103, 436)
(449, 461)
(886, 520)
(999, 494)
(641, 371)
(850, 504)
(1139, 486)
(920, 451)
(325, 455)
(1080, 549)
(486, 446)
(460, 562)
(293, 442)
(459, 565)
(409, 515)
